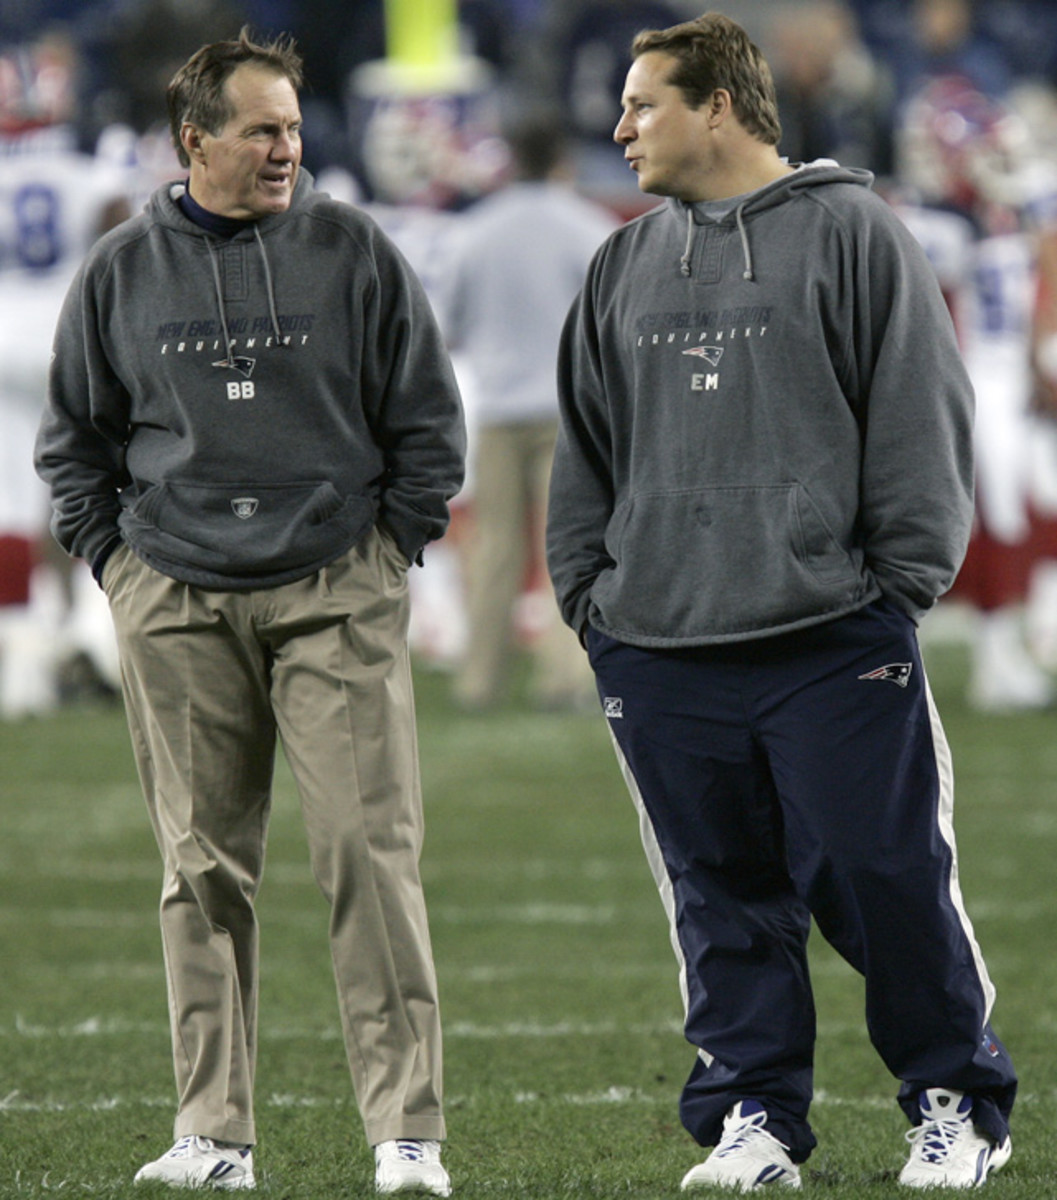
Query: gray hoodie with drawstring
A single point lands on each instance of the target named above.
(242, 411)
(766, 423)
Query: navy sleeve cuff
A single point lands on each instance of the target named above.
(100, 560)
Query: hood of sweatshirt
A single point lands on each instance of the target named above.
(163, 208)
(694, 214)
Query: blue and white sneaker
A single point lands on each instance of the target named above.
(410, 1165)
(947, 1150)
(748, 1157)
(199, 1162)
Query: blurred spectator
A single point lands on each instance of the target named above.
(521, 260)
(23, 20)
(148, 41)
(1026, 31)
(1023, 32)
(834, 99)
(589, 56)
(942, 38)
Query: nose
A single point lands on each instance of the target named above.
(624, 132)
(286, 145)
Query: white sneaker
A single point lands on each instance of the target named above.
(199, 1162)
(747, 1157)
(410, 1165)
(946, 1148)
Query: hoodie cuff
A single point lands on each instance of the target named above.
(407, 537)
(99, 562)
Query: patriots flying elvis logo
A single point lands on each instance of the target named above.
(711, 354)
(898, 673)
(237, 362)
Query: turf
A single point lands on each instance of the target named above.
(563, 1052)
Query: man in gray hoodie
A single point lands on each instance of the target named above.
(252, 430)
(762, 481)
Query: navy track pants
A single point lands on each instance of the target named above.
(805, 775)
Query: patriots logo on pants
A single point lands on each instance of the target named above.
(898, 673)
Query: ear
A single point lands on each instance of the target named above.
(191, 140)
(720, 107)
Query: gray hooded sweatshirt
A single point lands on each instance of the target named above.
(766, 423)
(242, 411)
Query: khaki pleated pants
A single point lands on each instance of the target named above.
(209, 678)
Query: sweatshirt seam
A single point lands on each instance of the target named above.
(848, 346)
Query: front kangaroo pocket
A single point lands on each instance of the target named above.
(720, 560)
(233, 528)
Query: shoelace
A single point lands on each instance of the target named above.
(752, 1131)
(937, 1138)
(410, 1151)
(191, 1143)
(183, 1146)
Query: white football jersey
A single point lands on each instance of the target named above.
(29, 308)
(53, 201)
(990, 283)
(947, 240)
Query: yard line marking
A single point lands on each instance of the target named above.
(100, 970)
(117, 1027)
(537, 913)
(628, 1095)
(513, 971)
(1018, 910)
(91, 1027)
(534, 870)
(79, 918)
(533, 913)
(95, 1026)
(610, 1095)
(13, 1103)
(535, 1029)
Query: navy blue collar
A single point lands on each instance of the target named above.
(224, 227)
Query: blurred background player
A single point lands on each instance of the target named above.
(423, 137)
(424, 234)
(421, 152)
(1037, 105)
(975, 203)
(55, 200)
(521, 257)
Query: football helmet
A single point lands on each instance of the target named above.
(958, 147)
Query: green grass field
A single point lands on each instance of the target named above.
(564, 1057)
